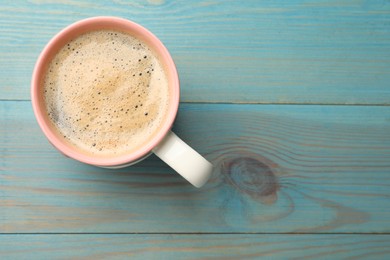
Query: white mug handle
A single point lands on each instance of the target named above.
(184, 160)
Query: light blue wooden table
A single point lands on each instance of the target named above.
(289, 99)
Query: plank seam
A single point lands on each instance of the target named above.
(194, 233)
(245, 103)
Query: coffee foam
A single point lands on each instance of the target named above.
(106, 93)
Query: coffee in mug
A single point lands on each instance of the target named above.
(105, 91)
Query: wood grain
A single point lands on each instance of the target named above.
(195, 246)
(327, 52)
(308, 181)
(306, 169)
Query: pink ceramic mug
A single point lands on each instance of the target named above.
(165, 144)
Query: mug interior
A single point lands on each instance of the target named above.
(71, 32)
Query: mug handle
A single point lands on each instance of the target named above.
(184, 160)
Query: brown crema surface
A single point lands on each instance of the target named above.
(106, 93)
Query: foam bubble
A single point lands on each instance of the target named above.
(106, 92)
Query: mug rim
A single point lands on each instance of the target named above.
(64, 36)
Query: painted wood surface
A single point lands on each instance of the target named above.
(195, 246)
(306, 169)
(292, 51)
(304, 176)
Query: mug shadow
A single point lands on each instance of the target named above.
(146, 197)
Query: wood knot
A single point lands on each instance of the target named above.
(252, 177)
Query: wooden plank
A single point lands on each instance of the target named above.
(277, 169)
(328, 52)
(195, 246)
